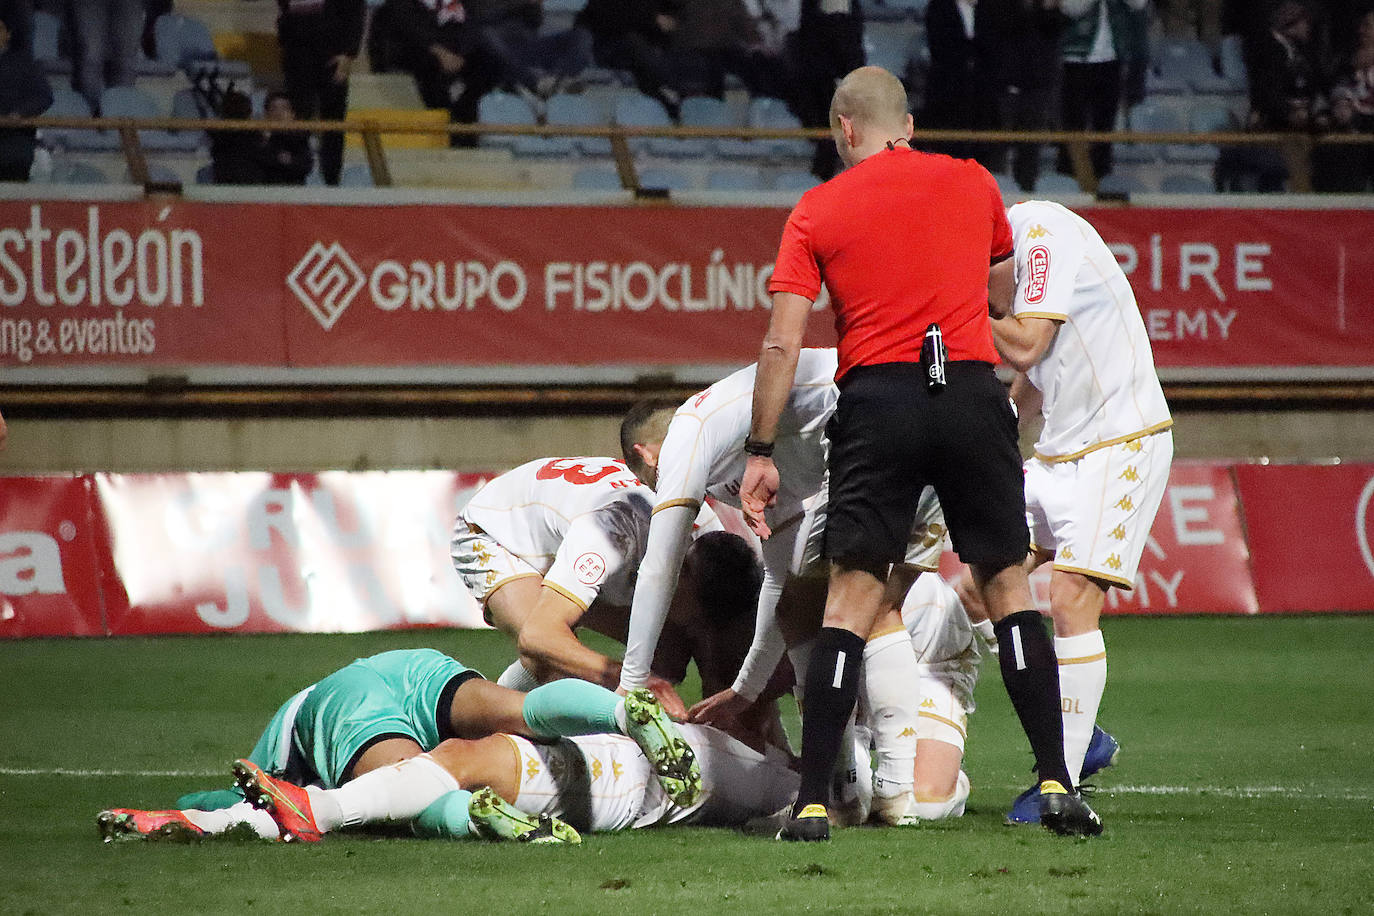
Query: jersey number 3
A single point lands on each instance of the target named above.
(575, 472)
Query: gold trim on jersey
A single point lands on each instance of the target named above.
(1095, 574)
(693, 504)
(1084, 659)
(491, 591)
(1129, 437)
(1048, 316)
(944, 721)
(566, 594)
(881, 633)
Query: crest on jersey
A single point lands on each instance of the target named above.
(1038, 273)
(590, 568)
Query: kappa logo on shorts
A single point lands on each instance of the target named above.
(325, 280)
(1038, 268)
(590, 567)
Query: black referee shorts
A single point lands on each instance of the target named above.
(891, 436)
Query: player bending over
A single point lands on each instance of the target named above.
(370, 728)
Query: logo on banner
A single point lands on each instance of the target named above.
(589, 568)
(325, 281)
(1362, 524)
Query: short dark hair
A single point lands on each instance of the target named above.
(277, 94)
(638, 420)
(236, 106)
(726, 575)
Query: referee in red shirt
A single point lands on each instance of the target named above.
(903, 240)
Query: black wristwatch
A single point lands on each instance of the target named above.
(758, 449)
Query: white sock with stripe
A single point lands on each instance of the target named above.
(222, 820)
(393, 793)
(1082, 679)
(891, 693)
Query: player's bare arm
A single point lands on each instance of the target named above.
(777, 367)
(1001, 287)
(1022, 342)
(549, 647)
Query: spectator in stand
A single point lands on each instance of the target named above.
(1033, 81)
(1288, 79)
(18, 18)
(1102, 41)
(535, 65)
(829, 43)
(633, 35)
(24, 93)
(1343, 168)
(970, 50)
(107, 35)
(236, 156)
(1194, 19)
(435, 41)
(319, 41)
(286, 156)
(1356, 74)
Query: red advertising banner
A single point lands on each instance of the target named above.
(256, 552)
(1312, 533)
(50, 566)
(1196, 560)
(352, 551)
(199, 284)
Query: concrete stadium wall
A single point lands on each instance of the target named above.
(493, 443)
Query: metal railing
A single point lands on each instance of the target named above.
(1295, 148)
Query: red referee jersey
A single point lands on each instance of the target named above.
(900, 240)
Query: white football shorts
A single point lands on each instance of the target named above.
(1095, 512)
(482, 563)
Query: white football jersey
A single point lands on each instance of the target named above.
(1098, 375)
(579, 522)
(703, 452)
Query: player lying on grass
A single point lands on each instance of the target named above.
(552, 545)
(582, 783)
(370, 727)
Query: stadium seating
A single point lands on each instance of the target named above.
(596, 178)
(1186, 183)
(575, 110)
(639, 110)
(735, 178)
(669, 179)
(133, 102)
(185, 43)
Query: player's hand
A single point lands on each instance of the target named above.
(757, 491)
(721, 710)
(667, 697)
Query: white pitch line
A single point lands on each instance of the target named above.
(1220, 791)
(100, 774)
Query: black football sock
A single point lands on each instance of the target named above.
(832, 687)
(1030, 672)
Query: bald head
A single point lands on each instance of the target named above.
(872, 99)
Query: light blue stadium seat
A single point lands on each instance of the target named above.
(160, 173)
(1202, 118)
(795, 181)
(765, 111)
(666, 179)
(77, 171)
(697, 111)
(579, 110)
(639, 110)
(133, 102)
(1150, 116)
(1186, 183)
(1056, 183)
(738, 178)
(68, 103)
(597, 178)
(357, 175)
(504, 108)
(184, 43)
(888, 46)
(47, 40)
(205, 174)
(1188, 61)
(1121, 182)
(1233, 60)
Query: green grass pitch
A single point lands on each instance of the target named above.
(1245, 785)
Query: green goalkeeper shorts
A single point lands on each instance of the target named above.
(391, 695)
